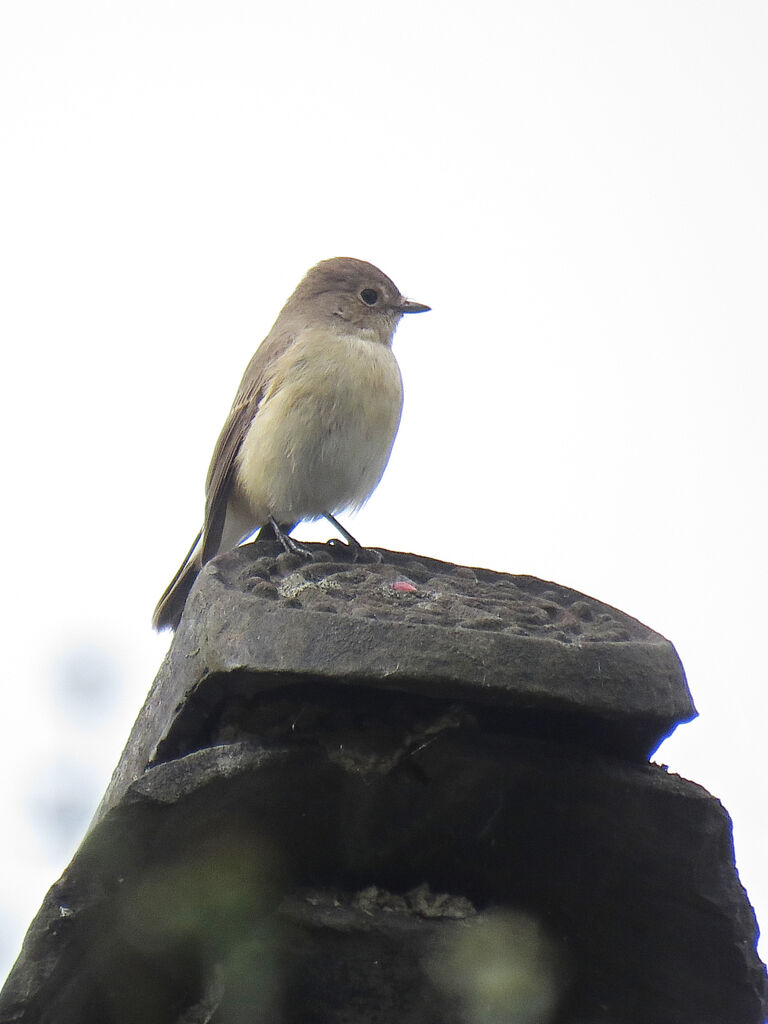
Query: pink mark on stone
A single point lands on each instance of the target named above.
(404, 587)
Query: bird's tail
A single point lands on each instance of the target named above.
(171, 604)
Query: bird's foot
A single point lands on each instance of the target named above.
(352, 547)
(290, 546)
(294, 548)
(357, 551)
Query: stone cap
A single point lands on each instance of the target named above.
(545, 656)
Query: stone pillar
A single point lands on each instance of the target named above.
(406, 792)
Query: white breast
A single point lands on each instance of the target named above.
(323, 433)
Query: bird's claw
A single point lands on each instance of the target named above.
(357, 551)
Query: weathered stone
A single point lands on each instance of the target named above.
(408, 792)
(565, 664)
(626, 869)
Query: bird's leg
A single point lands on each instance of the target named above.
(289, 544)
(359, 553)
(344, 533)
(267, 531)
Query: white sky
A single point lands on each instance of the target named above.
(578, 190)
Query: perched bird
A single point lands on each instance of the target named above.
(313, 422)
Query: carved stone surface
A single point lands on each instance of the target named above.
(564, 663)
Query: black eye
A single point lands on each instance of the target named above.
(369, 296)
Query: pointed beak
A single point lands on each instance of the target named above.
(409, 306)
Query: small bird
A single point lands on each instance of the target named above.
(313, 422)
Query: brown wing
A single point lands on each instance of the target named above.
(221, 472)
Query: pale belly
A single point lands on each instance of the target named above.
(322, 438)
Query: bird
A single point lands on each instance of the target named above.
(313, 422)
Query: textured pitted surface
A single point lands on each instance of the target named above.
(436, 594)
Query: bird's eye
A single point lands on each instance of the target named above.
(369, 296)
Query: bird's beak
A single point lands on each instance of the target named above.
(409, 306)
